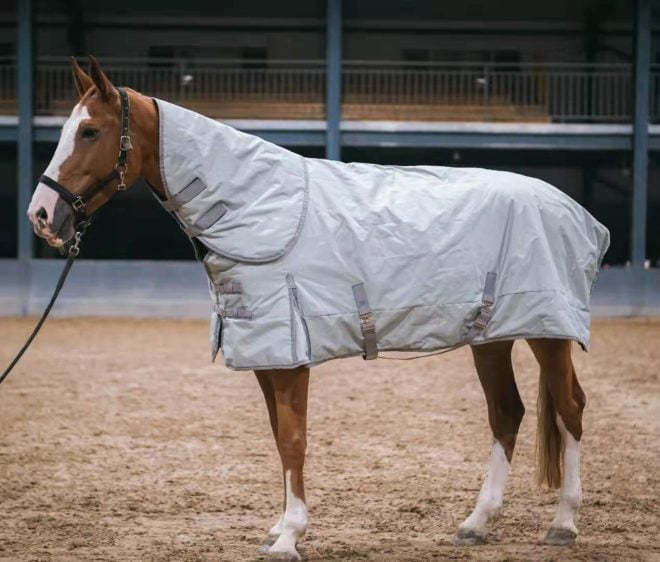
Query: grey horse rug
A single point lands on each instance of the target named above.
(310, 260)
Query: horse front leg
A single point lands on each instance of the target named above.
(286, 397)
(266, 384)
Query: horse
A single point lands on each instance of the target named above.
(86, 171)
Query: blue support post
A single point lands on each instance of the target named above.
(333, 80)
(25, 73)
(642, 41)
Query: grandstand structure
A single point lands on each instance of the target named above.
(569, 92)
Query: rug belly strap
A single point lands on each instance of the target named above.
(486, 311)
(369, 337)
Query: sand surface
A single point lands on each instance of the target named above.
(120, 441)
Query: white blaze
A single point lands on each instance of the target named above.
(44, 196)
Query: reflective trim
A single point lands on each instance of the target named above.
(187, 194)
(216, 334)
(210, 217)
(369, 338)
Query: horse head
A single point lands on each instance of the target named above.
(85, 170)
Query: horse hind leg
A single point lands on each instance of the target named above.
(561, 403)
(505, 413)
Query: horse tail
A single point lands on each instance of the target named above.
(548, 439)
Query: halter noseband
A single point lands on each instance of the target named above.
(79, 202)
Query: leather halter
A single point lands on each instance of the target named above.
(79, 202)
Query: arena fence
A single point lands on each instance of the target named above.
(286, 89)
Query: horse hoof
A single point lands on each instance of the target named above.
(560, 537)
(468, 537)
(283, 557)
(269, 541)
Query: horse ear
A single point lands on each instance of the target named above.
(80, 78)
(104, 86)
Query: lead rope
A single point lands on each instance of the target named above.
(72, 254)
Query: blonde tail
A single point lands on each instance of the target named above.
(548, 440)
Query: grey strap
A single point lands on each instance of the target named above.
(489, 288)
(486, 311)
(187, 194)
(230, 288)
(238, 312)
(210, 217)
(290, 282)
(369, 338)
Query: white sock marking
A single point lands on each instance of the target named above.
(294, 522)
(491, 495)
(570, 497)
(277, 528)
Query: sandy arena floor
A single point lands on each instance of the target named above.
(119, 441)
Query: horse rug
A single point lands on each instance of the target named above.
(310, 260)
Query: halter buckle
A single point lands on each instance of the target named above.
(125, 143)
(78, 204)
(121, 168)
(366, 322)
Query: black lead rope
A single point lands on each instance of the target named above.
(72, 254)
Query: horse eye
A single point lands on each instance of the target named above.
(89, 133)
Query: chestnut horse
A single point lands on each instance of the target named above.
(87, 151)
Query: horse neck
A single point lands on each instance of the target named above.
(145, 121)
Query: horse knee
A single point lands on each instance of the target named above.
(506, 416)
(505, 424)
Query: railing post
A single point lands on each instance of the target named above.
(642, 60)
(25, 70)
(333, 80)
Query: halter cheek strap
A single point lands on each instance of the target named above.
(79, 201)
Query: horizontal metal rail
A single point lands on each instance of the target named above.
(556, 92)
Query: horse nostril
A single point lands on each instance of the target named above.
(42, 214)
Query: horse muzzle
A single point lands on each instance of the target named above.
(57, 229)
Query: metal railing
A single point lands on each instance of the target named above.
(558, 92)
(7, 80)
(205, 80)
(371, 89)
